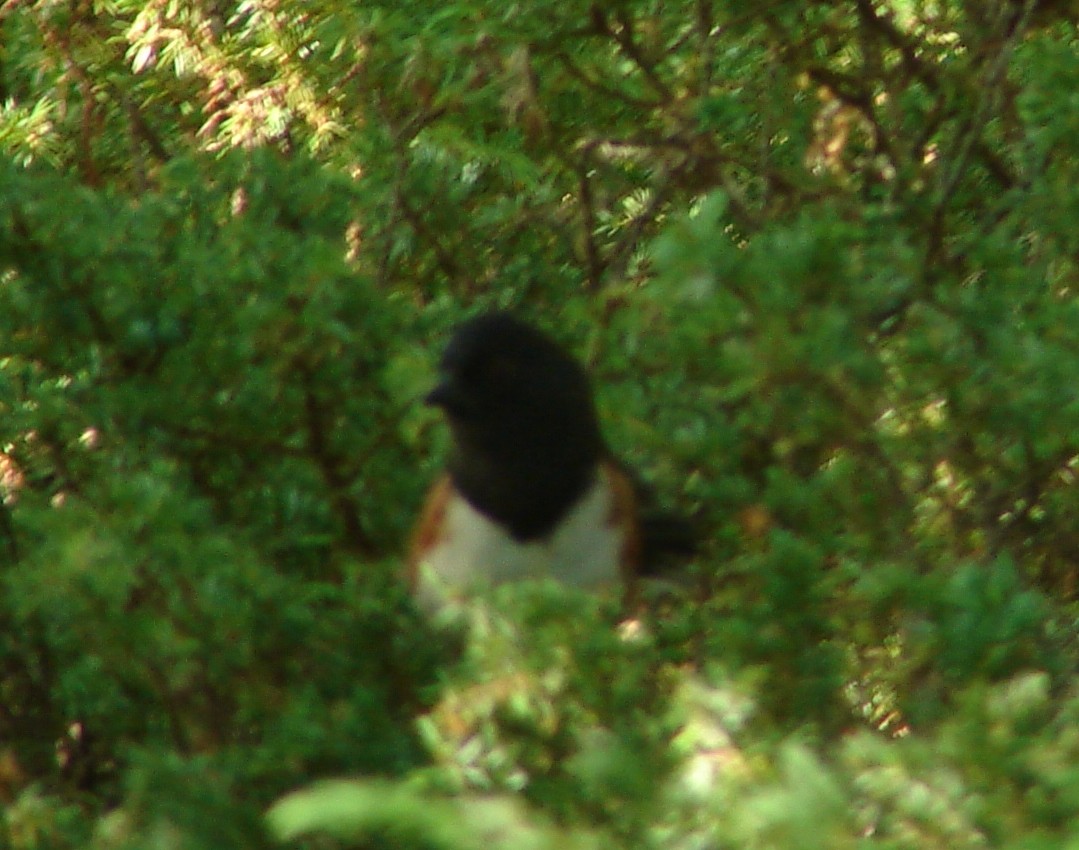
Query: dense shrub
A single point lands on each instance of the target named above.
(820, 260)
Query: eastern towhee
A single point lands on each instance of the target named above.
(531, 489)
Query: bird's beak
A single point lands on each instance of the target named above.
(446, 395)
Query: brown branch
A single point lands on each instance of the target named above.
(83, 82)
(595, 85)
(624, 37)
(970, 137)
(329, 467)
(402, 136)
(142, 131)
(924, 71)
(620, 258)
(593, 262)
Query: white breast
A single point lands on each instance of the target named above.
(584, 550)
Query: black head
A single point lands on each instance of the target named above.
(525, 429)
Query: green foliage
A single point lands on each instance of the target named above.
(394, 816)
(820, 258)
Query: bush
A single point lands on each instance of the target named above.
(819, 258)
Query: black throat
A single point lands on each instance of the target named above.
(526, 484)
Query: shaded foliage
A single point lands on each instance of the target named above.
(820, 258)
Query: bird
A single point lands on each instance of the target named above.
(531, 489)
